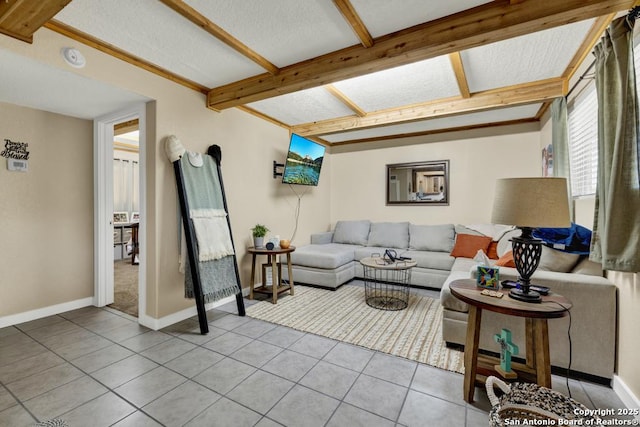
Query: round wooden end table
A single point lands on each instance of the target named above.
(537, 368)
(277, 285)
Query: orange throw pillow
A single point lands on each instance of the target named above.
(467, 245)
(506, 260)
(492, 251)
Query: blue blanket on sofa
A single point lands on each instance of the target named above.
(576, 239)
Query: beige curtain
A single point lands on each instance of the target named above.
(616, 234)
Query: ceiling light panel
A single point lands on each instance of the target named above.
(24, 81)
(492, 116)
(283, 31)
(523, 59)
(302, 107)
(150, 30)
(382, 17)
(409, 84)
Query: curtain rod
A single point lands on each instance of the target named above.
(633, 14)
(582, 77)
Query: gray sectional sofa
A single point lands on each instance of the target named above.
(332, 259)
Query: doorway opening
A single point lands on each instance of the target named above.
(126, 214)
(105, 242)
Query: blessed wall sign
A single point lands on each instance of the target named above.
(15, 150)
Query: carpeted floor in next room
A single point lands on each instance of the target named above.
(125, 286)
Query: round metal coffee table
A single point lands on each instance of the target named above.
(386, 285)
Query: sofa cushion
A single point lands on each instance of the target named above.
(467, 245)
(449, 301)
(439, 238)
(495, 231)
(431, 260)
(464, 264)
(461, 229)
(327, 256)
(352, 232)
(586, 266)
(367, 251)
(389, 235)
(554, 260)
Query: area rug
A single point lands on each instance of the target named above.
(413, 333)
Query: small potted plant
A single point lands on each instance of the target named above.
(259, 231)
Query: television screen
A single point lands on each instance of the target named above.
(304, 161)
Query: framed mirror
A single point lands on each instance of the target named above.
(419, 183)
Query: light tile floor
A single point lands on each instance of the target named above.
(98, 367)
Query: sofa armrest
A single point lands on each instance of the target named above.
(322, 238)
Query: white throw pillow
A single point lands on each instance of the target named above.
(504, 244)
(554, 260)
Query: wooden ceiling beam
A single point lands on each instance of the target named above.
(487, 23)
(126, 127)
(110, 49)
(21, 18)
(594, 34)
(461, 77)
(262, 116)
(345, 100)
(206, 24)
(435, 132)
(351, 15)
(481, 101)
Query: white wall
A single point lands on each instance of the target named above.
(477, 159)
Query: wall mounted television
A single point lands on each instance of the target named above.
(304, 161)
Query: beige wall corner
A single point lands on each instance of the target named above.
(46, 214)
(628, 320)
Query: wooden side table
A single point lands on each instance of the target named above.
(537, 368)
(277, 286)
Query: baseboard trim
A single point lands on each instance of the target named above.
(625, 394)
(39, 313)
(144, 320)
(179, 316)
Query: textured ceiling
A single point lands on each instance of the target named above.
(536, 56)
(408, 84)
(383, 16)
(394, 67)
(28, 83)
(150, 30)
(297, 30)
(302, 107)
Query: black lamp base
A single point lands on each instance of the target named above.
(531, 296)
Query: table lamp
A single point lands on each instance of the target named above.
(530, 203)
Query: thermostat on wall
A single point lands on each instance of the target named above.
(17, 165)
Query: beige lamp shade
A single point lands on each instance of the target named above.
(531, 202)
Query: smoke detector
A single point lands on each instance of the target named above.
(73, 57)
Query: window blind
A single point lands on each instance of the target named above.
(583, 142)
